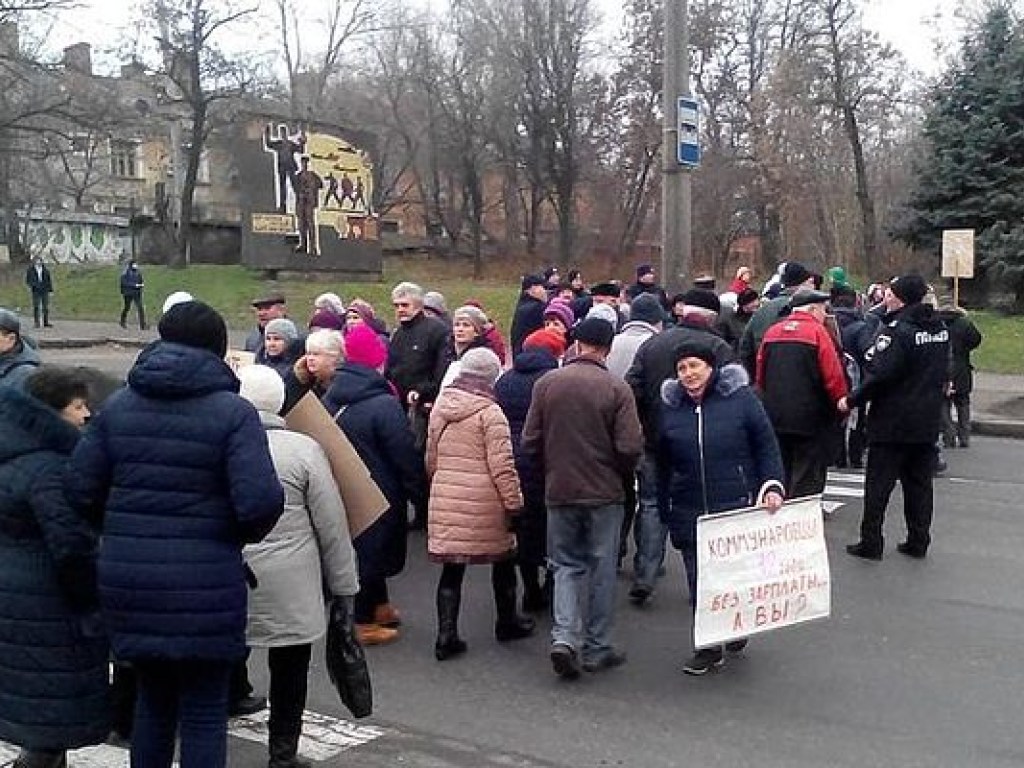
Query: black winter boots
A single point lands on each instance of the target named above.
(448, 643)
(284, 749)
(510, 625)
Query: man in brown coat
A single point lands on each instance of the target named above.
(583, 429)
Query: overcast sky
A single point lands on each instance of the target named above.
(910, 25)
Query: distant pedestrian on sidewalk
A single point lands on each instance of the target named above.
(583, 429)
(40, 283)
(131, 291)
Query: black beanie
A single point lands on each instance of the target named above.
(195, 324)
(696, 348)
(794, 274)
(595, 332)
(698, 297)
(909, 289)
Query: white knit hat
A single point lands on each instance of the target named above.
(178, 297)
(604, 312)
(262, 387)
(482, 363)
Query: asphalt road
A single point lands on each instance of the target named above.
(919, 664)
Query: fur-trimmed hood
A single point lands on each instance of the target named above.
(725, 382)
(28, 426)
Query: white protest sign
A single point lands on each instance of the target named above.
(758, 572)
(958, 253)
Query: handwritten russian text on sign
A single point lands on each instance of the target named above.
(958, 253)
(758, 572)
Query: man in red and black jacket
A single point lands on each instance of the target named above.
(800, 375)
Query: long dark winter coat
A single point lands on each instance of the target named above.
(376, 425)
(178, 468)
(714, 457)
(514, 392)
(53, 656)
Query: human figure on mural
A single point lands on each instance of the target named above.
(40, 283)
(307, 199)
(332, 190)
(285, 147)
(347, 190)
(358, 199)
(131, 291)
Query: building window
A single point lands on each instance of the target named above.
(202, 172)
(80, 143)
(123, 161)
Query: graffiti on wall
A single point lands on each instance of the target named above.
(65, 242)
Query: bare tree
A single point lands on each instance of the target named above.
(858, 71)
(309, 71)
(203, 81)
(628, 141)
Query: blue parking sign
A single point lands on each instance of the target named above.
(688, 124)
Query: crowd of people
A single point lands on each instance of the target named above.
(185, 524)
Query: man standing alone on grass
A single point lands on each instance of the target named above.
(583, 429)
(40, 283)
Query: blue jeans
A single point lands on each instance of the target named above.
(583, 545)
(649, 533)
(190, 695)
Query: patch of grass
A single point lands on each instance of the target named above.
(1002, 349)
(93, 293)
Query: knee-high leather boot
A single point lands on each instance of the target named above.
(448, 642)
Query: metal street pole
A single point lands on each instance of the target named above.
(675, 185)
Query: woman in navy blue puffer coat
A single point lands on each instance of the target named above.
(368, 411)
(53, 667)
(178, 470)
(716, 451)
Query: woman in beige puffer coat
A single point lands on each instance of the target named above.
(474, 491)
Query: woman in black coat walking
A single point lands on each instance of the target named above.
(53, 648)
(367, 409)
(514, 393)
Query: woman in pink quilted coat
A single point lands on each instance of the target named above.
(474, 492)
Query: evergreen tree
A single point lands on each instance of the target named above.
(971, 172)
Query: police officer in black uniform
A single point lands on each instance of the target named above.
(906, 370)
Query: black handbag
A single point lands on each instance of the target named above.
(346, 661)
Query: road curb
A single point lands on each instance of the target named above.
(92, 342)
(999, 428)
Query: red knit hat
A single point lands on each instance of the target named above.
(545, 338)
(363, 346)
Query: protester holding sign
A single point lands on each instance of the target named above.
(716, 451)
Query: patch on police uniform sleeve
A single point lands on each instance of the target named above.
(882, 343)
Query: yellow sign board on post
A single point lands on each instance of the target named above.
(957, 257)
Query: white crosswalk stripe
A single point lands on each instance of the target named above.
(323, 737)
(840, 488)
